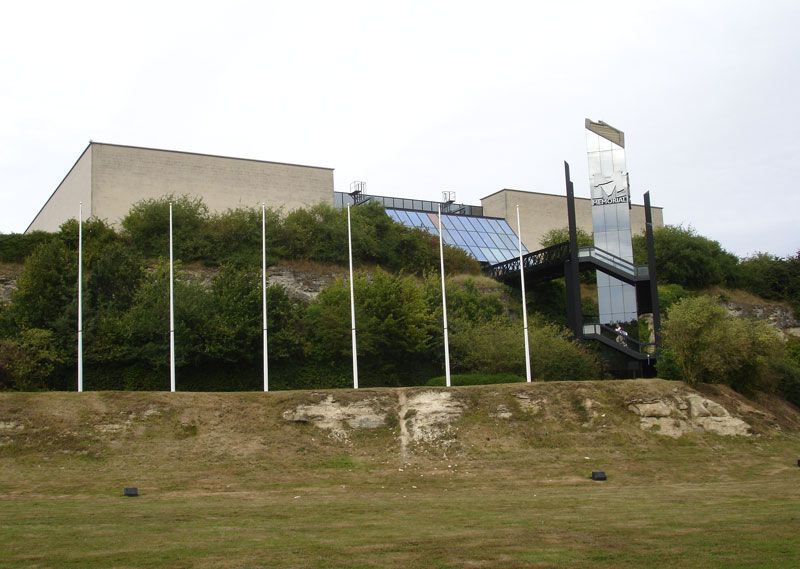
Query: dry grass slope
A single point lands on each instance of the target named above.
(489, 476)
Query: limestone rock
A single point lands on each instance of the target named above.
(655, 409)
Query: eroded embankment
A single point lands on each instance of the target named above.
(393, 423)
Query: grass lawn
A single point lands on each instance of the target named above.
(704, 501)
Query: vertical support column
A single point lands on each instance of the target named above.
(444, 305)
(651, 268)
(352, 302)
(264, 292)
(171, 310)
(571, 274)
(80, 297)
(524, 302)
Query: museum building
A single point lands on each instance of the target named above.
(110, 178)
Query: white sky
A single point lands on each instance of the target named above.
(419, 97)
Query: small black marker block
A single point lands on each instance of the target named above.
(599, 475)
(130, 492)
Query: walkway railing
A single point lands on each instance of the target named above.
(549, 257)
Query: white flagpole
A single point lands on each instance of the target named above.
(171, 311)
(80, 297)
(524, 305)
(444, 306)
(264, 290)
(352, 302)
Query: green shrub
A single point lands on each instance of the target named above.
(147, 227)
(683, 257)
(234, 237)
(31, 361)
(15, 247)
(497, 346)
(708, 345)
(669, 294)
(392, 322)
(46, 295)
(556, 236)
(771, 277)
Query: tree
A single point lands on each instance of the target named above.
(561, 235)
(392, 321)
(46, 295)
(147, 227)
(30, 361)
(771, 277)
(497, 346)
(705, 344)
(683, 257)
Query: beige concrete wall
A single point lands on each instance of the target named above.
(540, 213)
(124, 175)
(63, 204)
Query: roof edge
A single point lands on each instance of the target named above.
(607, 131)
(554, 196)
(41, 209)
(208, 155)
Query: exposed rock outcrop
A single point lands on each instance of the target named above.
(681, 414)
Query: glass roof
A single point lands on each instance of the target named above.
(488, 240)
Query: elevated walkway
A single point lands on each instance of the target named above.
(552, 262)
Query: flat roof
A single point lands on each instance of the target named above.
(552, 196)
(91, 142)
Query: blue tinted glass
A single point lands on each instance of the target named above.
(407, 217)
(393, 214)
(483, 239)
(497, 241)
(414, 217)
(476, 223)
(426, 220)
(509, 243)
(499, 254)
(468, 223)
(457, 222)
(498, 228)
(404, 218)
(490, 256)
(478, 254)
(479, 226)
(468, 237)
(506, 228)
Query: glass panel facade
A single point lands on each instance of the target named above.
(608, 179)
(342, 199)
(488, 240)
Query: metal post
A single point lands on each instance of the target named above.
(264, 291)
(171, 311)
(524, 304)
(574, 315)
(80, 297)
(651, 268)
(444, 304)
(352, 302)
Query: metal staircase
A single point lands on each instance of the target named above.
(568, 260)
(551, 262)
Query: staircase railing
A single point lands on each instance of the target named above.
(624, 340)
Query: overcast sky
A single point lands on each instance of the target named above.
(419, 97)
